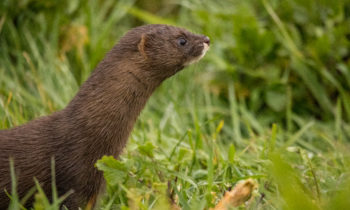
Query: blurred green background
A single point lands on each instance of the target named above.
(270, 100)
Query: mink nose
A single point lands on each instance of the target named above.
(207, 40)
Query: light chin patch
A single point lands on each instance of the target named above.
(194, 60)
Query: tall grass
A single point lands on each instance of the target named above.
(270, 100)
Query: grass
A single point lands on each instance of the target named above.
(270, 100)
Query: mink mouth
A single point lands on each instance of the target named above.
(198, 56)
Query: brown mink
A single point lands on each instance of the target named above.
(100, 117)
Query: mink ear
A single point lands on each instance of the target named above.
(142, 45)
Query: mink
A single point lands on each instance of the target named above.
(99, 119)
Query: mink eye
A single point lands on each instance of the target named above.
(182, 41)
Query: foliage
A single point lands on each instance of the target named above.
(269, 101)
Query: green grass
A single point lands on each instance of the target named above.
(270, 100)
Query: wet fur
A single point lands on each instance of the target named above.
(98, 120)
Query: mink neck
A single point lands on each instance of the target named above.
(105, 109)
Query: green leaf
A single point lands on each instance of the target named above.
(276, 99)
(147, 149)
(114, 171)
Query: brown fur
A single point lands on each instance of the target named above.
(100, 117)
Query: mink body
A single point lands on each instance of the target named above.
(100, 117)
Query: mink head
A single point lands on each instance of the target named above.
(163, 49)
